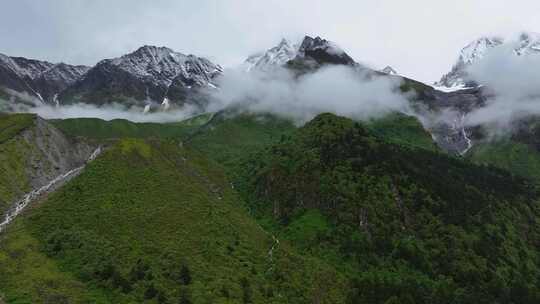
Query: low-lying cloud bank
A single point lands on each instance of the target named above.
(340, 90)
(514, 84)
(110, 112)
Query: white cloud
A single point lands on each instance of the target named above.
(513, 82)
(110, 112)
(338, 89)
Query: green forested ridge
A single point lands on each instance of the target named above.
(151, 222)
(332, 212)
(406, 225)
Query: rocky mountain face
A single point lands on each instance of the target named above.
(40, 80)
(449, 129)
(323, 51)
(149, 76)
(55, 80)
(457, 78)
(33, 153)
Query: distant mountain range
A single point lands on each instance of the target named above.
(150, 76)
(158, 78)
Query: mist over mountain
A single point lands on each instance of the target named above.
(297, 80)
(524, 44)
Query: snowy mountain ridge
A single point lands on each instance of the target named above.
(149, 76)
(317, 49)
(25, 68)
(526, 44)
(41, 79)
(163, 65)
(276, 56)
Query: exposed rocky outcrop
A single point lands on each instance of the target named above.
(41, 154)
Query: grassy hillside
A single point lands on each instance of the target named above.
(405, 225)
(149, 222)
(13, 124)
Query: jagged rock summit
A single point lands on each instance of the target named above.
(276, 56)
(149, 75)
(323, 51)
(310, 50)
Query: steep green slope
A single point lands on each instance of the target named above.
(231, 137)
(150, 222)
(13, 124)
(405, 225)
(13, 178)
(513, 156)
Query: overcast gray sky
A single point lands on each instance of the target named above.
(419, 38)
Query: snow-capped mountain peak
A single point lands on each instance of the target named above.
(527, 43)
(470, 54)
(163, 65)
(147, 75)
(276, 56)
(312, 49)
(477, 49)
(323, 51)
